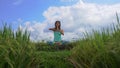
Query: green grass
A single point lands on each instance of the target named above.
(58, 59)
(16, 51)
(101, 49)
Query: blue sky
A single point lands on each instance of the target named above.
(11, 10)
(38, 15)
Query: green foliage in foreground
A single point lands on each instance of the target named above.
(99, 50)
(58, 59)
(16, 51)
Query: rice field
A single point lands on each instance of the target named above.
(101, 49)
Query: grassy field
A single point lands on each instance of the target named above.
(101, 49)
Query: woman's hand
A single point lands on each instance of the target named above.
(62, 32)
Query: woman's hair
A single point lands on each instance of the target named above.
(58, 26)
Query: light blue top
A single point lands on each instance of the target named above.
(57, 36)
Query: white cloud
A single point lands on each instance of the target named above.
(37, 30)
(75, 19)
(17, 2)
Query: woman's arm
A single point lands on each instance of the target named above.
(62, 32)
(53, 29)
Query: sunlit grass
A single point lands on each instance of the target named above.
(16, 50)
(100, 49)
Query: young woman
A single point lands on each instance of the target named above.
(57, 33)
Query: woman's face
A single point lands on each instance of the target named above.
(57, 24)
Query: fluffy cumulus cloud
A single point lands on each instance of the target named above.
(75, 19)
(37, 30)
